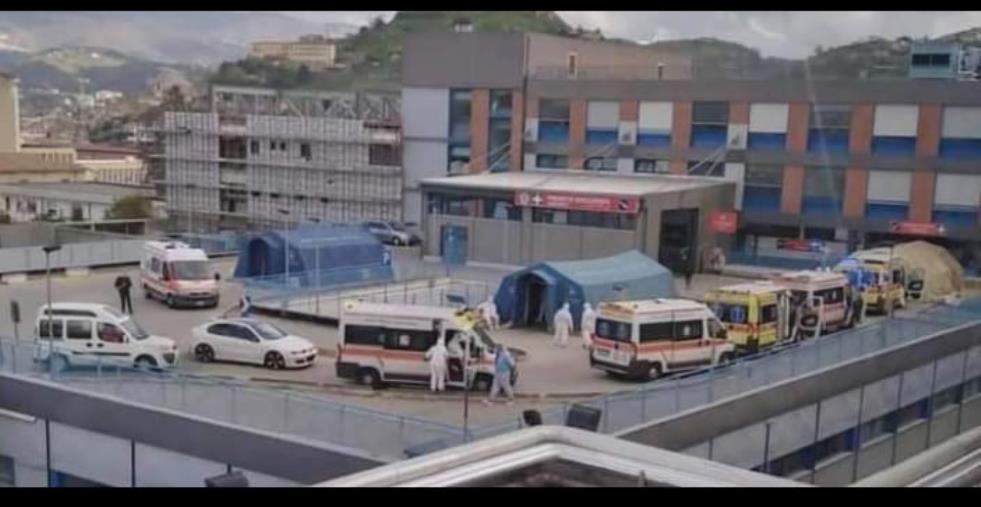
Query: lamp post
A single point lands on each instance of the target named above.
(286, 245)
(48, 250)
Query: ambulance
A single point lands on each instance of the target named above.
(178, 275)
(645, 339)
(884, 279)
(819, 301)
(382, 344)
(756, 314)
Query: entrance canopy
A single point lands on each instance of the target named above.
(319, 255)
(540, 289)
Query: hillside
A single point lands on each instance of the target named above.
(109, 69)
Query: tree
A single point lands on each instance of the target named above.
(378, 23)
(173, 99)
(130, 207)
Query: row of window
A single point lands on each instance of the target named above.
(505, 209)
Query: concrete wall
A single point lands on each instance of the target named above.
(911, 440)
(834, 471)
(464, 60)
(614, 59)
(875, 455)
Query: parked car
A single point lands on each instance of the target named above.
(392, 233)
(248, 340)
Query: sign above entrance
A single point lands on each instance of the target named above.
(578, 202)
(917, 228)
(723, 222)
(801, 245)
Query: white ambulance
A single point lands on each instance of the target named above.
(819, 300)
(178, 275)
(644, 339)
(382, 344)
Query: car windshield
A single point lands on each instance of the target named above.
(268, 331)
(134, 329)
(191, 270)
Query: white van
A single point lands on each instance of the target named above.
(177, 274)
(382, 343)
(87, 334)
(644, 339)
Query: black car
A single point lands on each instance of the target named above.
(392, 233)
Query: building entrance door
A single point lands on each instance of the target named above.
(678, 246)
(453, 245)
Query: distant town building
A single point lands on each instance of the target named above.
(315, 51)
(933, 60)
(262, 157)
(29, 202)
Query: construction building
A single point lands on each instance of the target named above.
(266, 158)
(315, 51)
(843, 161)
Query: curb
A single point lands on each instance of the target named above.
(365, 392)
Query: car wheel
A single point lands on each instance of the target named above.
(369, 377)
(655, 372)
(726, 358)
(169, 301)
(204, 353)
(274, 361)
(145, 362)
(396, 242)
(482, 383)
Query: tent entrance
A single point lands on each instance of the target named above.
(535, 293)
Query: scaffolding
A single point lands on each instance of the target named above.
(264, 158)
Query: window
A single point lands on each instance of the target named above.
(762, 189)
(657, 331)
(545, 161)
(613, 330)
(239, 332)
(824, 189)
(110, 333)
(572, 60)
(452, 205)
(688, 330)
(282, 146)
(548, 216)
(254, 147)
(459, 159)
(413, 340)
(829, 125)
(364, 335)
(767, 141)
(931, 60)
(710, 124)
(553, 121)
(707, 168)
(305, 151)
(831, 296)
(768, 314)
(651, 166)
(56, 325)
(78, 329)
(972, 387)
(500, 104)
(384, 154)
(501, 209)
(601, 164)
(460, 117)
(498, 141)
(272, 145)
(734, 314)
(946, 398)
(231, 147)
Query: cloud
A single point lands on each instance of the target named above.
(761, 30)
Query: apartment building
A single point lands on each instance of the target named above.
(847, 161)
(265, 158)
(315, 51)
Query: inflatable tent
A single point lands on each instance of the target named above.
(532, 295)
(319, 255)
(942, 275)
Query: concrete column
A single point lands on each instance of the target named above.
(797, 121)
(928, 132)
(577, 132)
(680, 135)
(479, 125)
(516, 148)
(856, 189)
(793, 189)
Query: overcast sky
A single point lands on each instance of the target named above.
(785, 34)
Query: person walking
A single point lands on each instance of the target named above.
(245, 305)
(123, 284)
(587, 325)
(563, 325)
(437, 355)
(687, 265)
(503, 366)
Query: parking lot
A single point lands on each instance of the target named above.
(559, 373)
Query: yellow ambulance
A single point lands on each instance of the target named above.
(756, 314)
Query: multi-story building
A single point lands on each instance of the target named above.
(315, 51)
(263, 158)
(840, 160)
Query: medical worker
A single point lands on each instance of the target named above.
(587, 325)
(563, 325)
(437, 355)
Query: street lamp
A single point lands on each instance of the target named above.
(48, 250)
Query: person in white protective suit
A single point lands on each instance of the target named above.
(489, 310)
(563, 325)
(587, 325)
(437, 356)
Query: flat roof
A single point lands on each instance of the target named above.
(77, 192)
(578, 182)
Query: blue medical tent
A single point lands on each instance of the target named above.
(319, 255)
(532, 295)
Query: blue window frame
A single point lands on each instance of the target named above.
(893, 146)
(654, 139)
(887, 210)
(601, 136)
(708, 136)
(552, 131)
(761, 198)
(767, 141)
(957, 217)
(827, 140)
(960, 148)
(821, 205)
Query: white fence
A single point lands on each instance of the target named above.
(72, 255)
